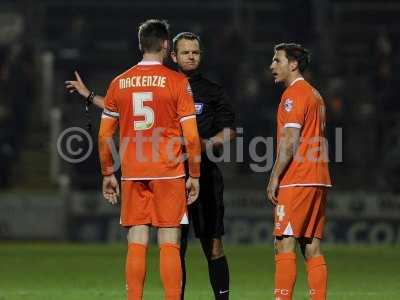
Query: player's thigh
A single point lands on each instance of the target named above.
(169, 204)
(208, 213)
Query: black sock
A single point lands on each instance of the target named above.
(219, 277)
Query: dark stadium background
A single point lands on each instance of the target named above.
(49, 205)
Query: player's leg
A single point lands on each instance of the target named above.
(135, 268)
(285, 267)
(170, 262)
(217, 266)
(169, 208)
(285, 243)
(317, 272)
(207, 215)
(184, 242)
(134, 213)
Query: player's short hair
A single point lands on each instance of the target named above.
(184, 36)
(295, 52)
(152, 33)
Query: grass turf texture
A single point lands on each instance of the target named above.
(85, 272)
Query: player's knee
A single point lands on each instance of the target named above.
(312, 250)
(170, 235)
(217, 250)
(138, 234)
(216, 253)
(286, 244)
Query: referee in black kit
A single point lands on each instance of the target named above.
(215, 121)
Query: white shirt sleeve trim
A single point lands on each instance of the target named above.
(104, 116)
(295, 125)
(111, 113)
(183, 119)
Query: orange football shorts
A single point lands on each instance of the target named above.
(300, 211)
(161, 202)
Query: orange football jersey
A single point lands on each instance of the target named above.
(150, 101)
(302, 107)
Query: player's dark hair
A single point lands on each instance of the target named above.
(152, 33)
(295, 52)
(184, 36)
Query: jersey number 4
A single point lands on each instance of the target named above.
(141, 110)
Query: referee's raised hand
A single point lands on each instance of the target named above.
(77, 85)
(193, 189)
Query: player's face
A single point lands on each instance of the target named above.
(280, 66)
(188, 55)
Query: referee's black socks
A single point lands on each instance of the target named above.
(219, 277)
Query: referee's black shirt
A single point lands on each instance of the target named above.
(213, 109)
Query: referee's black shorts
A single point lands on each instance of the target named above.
(207, 212)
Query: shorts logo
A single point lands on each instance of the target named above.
(199, 108)
(280, 212)
(288, 105)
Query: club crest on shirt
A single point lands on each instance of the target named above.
(288, 105)
(199, 108)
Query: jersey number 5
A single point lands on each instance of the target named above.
(140, 110)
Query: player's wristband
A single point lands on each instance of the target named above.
(89, 99)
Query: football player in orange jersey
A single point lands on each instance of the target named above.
(153, 107)
(300, 177)
(215, 117)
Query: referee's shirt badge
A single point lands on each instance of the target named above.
(199, 108)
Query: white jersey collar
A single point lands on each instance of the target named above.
(149, 63)
(297, 79)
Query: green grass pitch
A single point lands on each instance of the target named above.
(85, 272)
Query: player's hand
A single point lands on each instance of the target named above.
(272, 189)
(193, 189)
(77, 85)
(111, 189)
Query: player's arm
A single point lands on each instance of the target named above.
(193, 150)
(287, 148)
(79, 86)
(187, 117)
(108, 126)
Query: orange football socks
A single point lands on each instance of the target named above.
(170, 270)
(317, 274)
(135, 270)
(285, 275)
